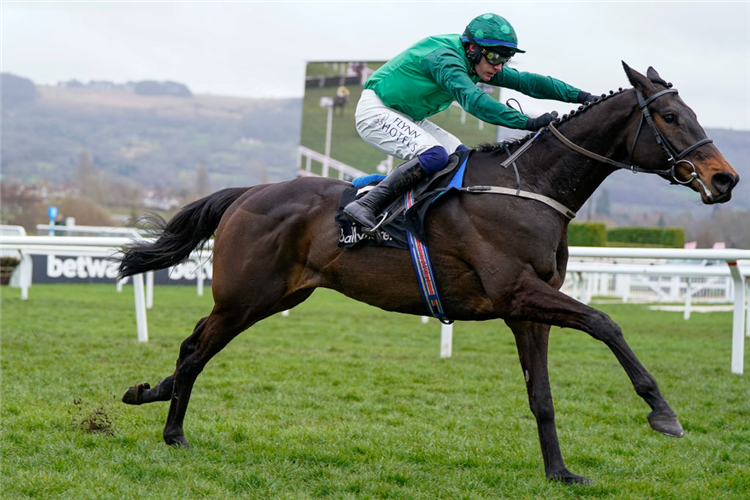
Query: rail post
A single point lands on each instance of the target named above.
(446, 340)
(140, 308)
(738, 323)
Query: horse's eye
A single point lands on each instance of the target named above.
(670, 118)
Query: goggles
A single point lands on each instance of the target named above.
(495, 58)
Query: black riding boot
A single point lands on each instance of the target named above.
(365, 210)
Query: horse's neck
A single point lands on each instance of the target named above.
(552, 169)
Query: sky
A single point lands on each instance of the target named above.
(260, 49)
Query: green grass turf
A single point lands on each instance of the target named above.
(342, 400)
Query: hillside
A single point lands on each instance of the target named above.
(153, 140)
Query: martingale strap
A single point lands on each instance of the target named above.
(420, 257)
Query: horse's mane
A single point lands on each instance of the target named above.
(499, 147)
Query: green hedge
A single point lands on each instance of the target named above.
(673, 237)
(595, 234)
(587, 234)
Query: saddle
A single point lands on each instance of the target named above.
(393, 232)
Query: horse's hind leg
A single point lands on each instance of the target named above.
(210, 336)
(142, 393)
(532, 341)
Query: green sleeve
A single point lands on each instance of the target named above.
(534, 85)
(449, 70)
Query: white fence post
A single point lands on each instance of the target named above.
(26, 272)
(149, 290)
(140, 308)
(738, 326)
(200, 278)
(446, 340)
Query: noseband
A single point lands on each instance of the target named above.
(674, 158)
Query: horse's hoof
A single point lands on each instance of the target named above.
(569, 478)
(666, 424)
(177, 441)
(134, 394)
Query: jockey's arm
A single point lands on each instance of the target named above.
(449, 71)
(535, 85)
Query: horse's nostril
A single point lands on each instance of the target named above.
(724, 182)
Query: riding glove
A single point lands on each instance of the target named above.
(584, 97)
(541, 121)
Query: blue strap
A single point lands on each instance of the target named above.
(458, 179)
(420, 257)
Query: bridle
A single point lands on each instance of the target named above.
(673, 157)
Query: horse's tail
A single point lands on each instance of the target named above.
(191, 228)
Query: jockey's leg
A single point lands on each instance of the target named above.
(398, 135)
(365, 210)
(450, 142)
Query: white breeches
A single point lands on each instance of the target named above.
(396, 134)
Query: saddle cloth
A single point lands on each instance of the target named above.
(393, 232)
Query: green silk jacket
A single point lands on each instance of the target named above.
(427, 77)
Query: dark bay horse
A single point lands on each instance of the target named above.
(493, 256)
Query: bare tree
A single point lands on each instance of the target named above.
(202, 182)
(89, 179)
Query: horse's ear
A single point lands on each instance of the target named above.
(637, 80)
(655, 78)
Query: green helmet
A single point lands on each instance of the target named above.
(491, 30)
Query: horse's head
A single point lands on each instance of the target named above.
(667, 139)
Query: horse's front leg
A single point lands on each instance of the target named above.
(537, 301)
(532, 340)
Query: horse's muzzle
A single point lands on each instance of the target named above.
(723, 183)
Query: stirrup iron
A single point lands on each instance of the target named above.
(374, 231)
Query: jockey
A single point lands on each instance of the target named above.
(424, 80)
(342, 91)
